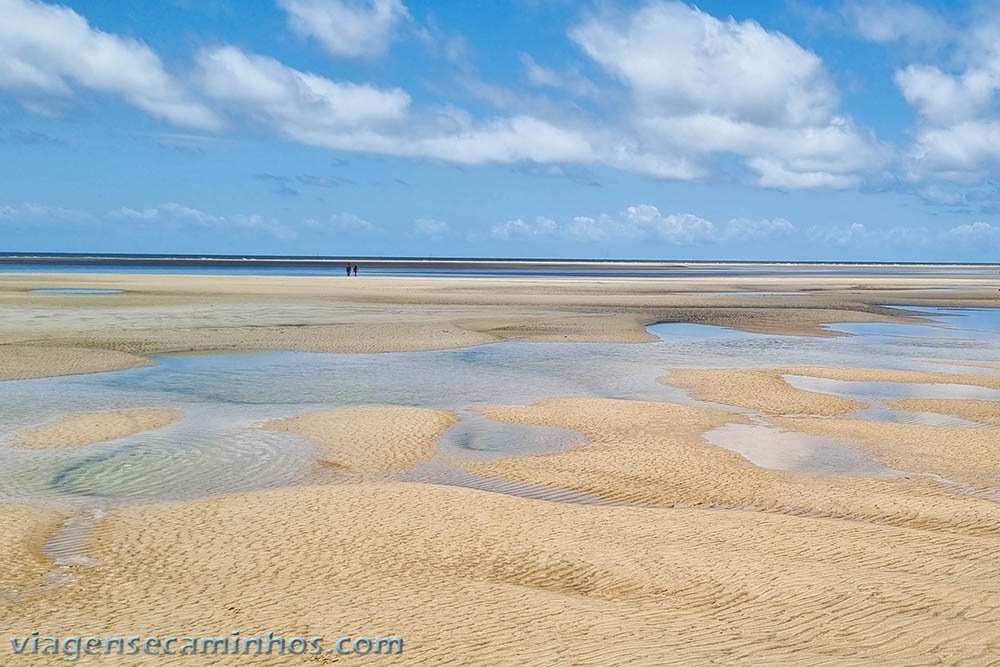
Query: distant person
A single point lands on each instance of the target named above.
(348, 270)
(355, 269)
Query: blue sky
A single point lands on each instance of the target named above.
(842, 130)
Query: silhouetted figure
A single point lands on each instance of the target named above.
(348, 270)
(355, 269)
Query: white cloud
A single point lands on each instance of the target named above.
(569, 79)
(743, 229)
(702, 86)
(958, 115)
(861, 236)
(47, 51)
(360, 117)
(347, 28)
(976, 233)
(172, 213)
(643, 221)
(433, 229)
(126, 213)
(520, 229)
(347, 222)
(693, 88)
(297, 103)
(34, 212)
(890, 21)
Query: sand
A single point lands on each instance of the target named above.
(85, 428)
(653, 453)
(21, 362)
(706, 558)
(370, 438)
(965, 455)
(907, 576)
(984, 412)
(22, 565)
(189, 313)
(759, 389)
(764, 389)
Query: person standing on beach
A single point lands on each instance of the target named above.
(355, 270)
(348, 270)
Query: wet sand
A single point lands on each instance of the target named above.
(984, 412)
(46, 334)
(705, 559)
(22, 564)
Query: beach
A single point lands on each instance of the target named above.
(256, 454)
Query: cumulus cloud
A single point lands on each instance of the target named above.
(347, 28)
(958, 116)
(297, 103)
(432, 229)
(643, 221)
(47, 52)
(687, 88)
(894, 20)
(360, 117)
(702, 86)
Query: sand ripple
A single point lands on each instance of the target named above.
(371, 438)
(86, 428)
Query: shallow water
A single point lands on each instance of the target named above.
(963, 323)
(771, 447)
(219, 448)
(865, 391)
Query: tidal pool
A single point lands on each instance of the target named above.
(771, 447)
(218, 446)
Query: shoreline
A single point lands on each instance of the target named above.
(47, 334)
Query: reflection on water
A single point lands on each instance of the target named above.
(963, 323)
(876, 390)
(915, 418)
(218, 446)
(771, 447)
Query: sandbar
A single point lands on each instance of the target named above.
(85, 428)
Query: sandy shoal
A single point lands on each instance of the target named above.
(646, 452)
(22, 362)
(85, 428)
(969, 455)
(370, 438)
(469, 578)
(760, 389)
(766, 391)
(984, 412)
(161, 314)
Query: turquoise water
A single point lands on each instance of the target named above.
(218, 447)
